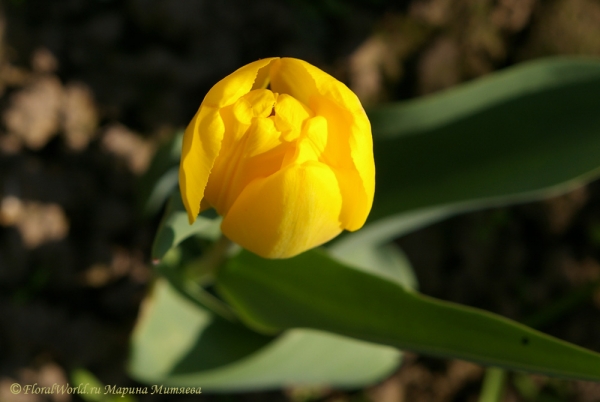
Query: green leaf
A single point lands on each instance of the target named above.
(161, 178)
(374, 236)
(93, 389)
(315, 291)
(186, 279)
(522, 134)
(175, 227)
(385, 260)
(177, 343)
(431, 112)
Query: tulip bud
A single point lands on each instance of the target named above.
(284, 152)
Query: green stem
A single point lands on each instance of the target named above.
(493, 385)
(204, 269)
(201, 273)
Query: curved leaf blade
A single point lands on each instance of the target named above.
(456, 103)
(175, 227)
(161, 178)
(315, 291)
(178, 343)
(522, 134)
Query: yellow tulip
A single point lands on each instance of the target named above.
(284, 152)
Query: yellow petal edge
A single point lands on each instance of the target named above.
(203, 136)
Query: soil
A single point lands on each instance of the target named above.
(89, 90)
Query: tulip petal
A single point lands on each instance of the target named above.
(201, 146)
(204, 135)
(312, 144)
(286, 213)
(258, 102)
(289, 116)
(235, 85)
(256, 155)
(263, 77)
(289, 76)
(349, 149)
(316, 131)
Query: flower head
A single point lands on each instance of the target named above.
(283, 151)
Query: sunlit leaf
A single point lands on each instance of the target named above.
(178, 343)
(175, 227)
(525, 133)
(315, 291)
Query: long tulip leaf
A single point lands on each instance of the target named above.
(315, 291)
(525, 133)
(178, 343)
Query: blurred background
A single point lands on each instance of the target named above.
(89, 89)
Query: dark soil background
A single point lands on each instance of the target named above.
(90, 88)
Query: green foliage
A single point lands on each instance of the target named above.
(93, 390)
(519, 135)
(181, 344)
(160, 180)
(175, 227)
(272, 295)
(338, 318)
